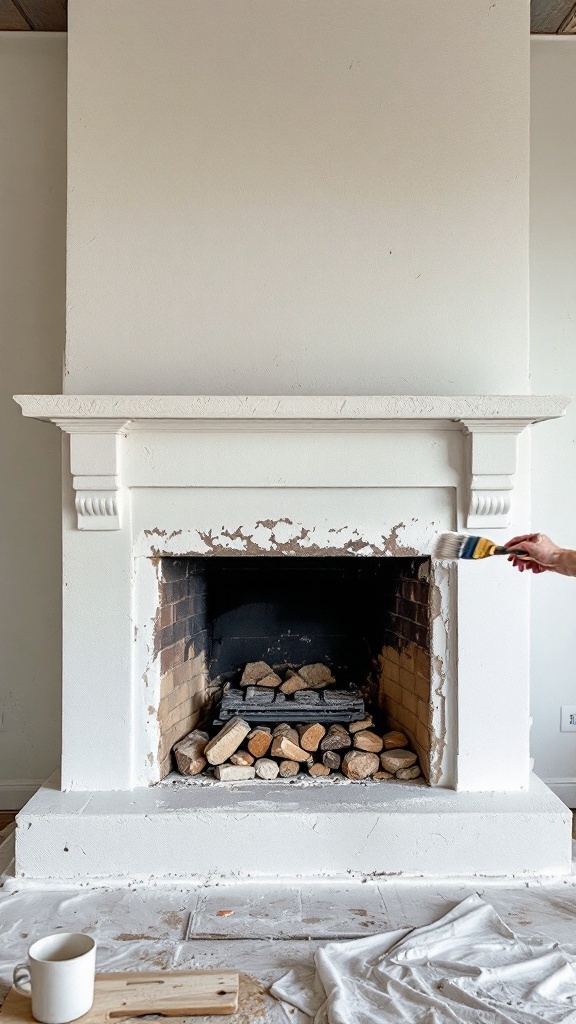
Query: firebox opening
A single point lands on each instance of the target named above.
(365, 619)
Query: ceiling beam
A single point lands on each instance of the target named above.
(546, 16)
(10, 19)
(44, 15)
(568, 26)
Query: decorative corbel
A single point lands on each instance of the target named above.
(493, 457)
(95, 452)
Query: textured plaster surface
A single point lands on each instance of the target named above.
(315, 407)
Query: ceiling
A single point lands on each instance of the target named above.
(547, 16)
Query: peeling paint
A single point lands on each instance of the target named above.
(300, 541)
(438, 730)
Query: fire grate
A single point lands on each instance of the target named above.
(257, 704)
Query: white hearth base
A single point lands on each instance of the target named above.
(193, 831)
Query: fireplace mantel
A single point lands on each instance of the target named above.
(336, 409)
(169, 477)
(97, 424)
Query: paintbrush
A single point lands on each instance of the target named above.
(453, 546)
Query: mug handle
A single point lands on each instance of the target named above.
(22, 980)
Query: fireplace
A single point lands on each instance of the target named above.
(366, 620)
(202, 533)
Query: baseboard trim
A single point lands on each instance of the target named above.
(565, 788)
(17, 792)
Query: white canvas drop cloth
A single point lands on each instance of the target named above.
(466, 968)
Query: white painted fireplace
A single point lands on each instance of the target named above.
(160, 476)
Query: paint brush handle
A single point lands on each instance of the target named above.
(501, 550)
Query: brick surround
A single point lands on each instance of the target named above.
(404, 665)
(181, 642)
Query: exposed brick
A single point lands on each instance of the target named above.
(166, 766)
(423, 736)
(407, 659)
(183, 609)
(180, 630)
(408, 720)
(423, 712)
(407, 680)
(171, 656)
(391, 655)
(175, 591)
(167, 684)
(421, 614)
(421, 591)
(174, 569)
(391, 671)
(422, 688)
(391, 689)
(410, 701)
(166, 637)
(166, 615)
(423, 662)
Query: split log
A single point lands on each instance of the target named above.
(259, 741)
(254, 671)
(316, 676)
(408, 773)
(381, 776)
(332, 760)
(359, 764)
(270, 680)
(234, 772)
(318, 770)
(284, 748)
(288, 769)
(241, 757)
(267, 769)
(364, 723)
(337, 738)
(189, 752)
(367, 740)
(287, 730)
(310, 736)
(294, 684)
(394, 740)
(394, 760)
(227, 741)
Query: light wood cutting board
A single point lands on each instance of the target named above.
(124, 995)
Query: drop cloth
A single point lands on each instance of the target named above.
(466, 968)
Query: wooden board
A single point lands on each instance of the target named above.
(135, 994)
(10, 18)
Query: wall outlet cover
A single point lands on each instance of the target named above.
(568, 718)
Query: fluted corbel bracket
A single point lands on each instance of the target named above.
(96, 478)
(493, 457)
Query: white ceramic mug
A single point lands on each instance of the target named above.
(59, 977)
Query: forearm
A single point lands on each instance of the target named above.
(563, 561)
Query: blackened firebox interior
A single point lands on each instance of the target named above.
(293, 611)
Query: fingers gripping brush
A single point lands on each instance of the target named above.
(453, 546)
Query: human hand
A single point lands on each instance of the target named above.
(543, 554)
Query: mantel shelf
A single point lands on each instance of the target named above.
(127, 409)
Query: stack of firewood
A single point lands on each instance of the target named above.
(239, 752)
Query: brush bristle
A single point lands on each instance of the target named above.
(449, 545)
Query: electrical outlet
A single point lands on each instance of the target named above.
(568, 718)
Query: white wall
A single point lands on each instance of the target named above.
(272, 197)
(32, 111)
(553, 369)
(32, 305)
